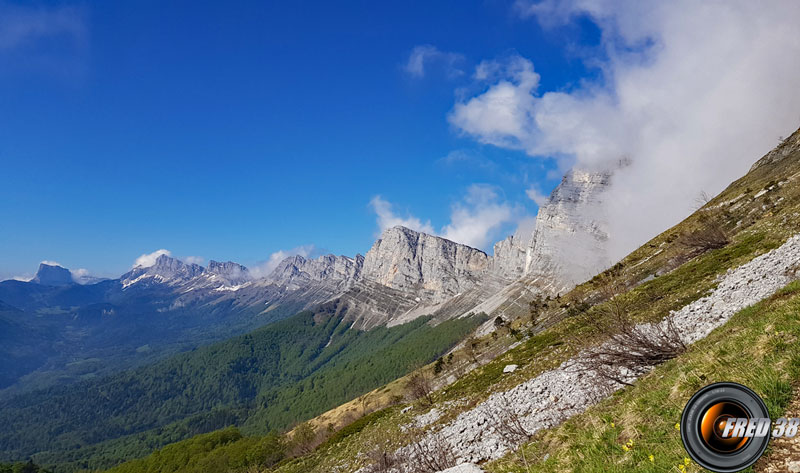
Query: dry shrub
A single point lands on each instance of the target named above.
(710, 235)
(630, 349)
(509, 426)
(382, 456)
(430, 453)
(420, 387)
(305, 438)
(508, 423)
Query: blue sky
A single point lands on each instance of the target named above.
(235, 131)
(247, 131)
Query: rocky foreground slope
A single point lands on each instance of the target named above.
(478, 434)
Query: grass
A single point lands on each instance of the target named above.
(757, 347)
(538, 353)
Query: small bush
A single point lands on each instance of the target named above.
(419, 388)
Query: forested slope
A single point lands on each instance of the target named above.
(265, 380)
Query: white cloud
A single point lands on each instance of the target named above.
(149, 259)
(264, 268)
(537, 196)
(425, 55)
(83, 276)
(502, 115)
(691, 92)
(474, 221)
(25, 278)
(194, 260)
(524, 231)
(51, 263)
(387, 218)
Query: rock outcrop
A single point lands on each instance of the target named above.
(569, 243)
(787, 147)
(230, 272)
(53, 275)
(508, 260)
(296, 271)
(432, 267)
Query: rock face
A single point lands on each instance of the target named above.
(406, 274)
(230, 272)
(433, 267)
(53, 275)
(296, 270)
(509, 258)
(569, 242)
(786, 148)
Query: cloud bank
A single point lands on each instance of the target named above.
(692, 93)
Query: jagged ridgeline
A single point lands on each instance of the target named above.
(70, 327)
(263, 381)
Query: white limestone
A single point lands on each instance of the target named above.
(478, 434)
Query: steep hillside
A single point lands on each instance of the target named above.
(756, 214)
(263, 381)
(678, 270)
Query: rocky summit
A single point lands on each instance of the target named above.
(53, 275)
(569, 243)
(432, 267)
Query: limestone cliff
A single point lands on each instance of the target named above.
(432, 267)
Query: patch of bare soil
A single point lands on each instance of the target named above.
(784, 453)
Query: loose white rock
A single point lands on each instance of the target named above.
(550, 398)
(464, 468)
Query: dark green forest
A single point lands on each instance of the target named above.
(21, 467)
(216, 452)
(263, 382)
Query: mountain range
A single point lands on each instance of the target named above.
(171, 306)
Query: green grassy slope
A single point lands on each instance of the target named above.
(757, 347)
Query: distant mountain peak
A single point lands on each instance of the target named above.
(234, 273)
(218, 267)
(165, 270)
(53, 275)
